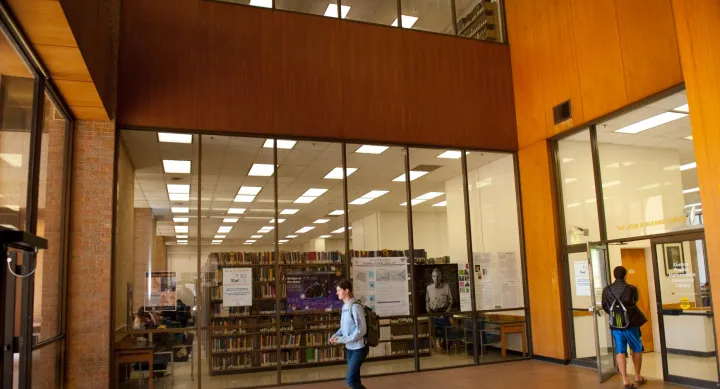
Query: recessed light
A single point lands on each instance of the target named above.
(244, 199)
(283, 241)
(441, 204)
(256, 236)
(248, 244)
(336, 173)
(408, 21)
(267, 228)
(373, 194)
(168, 137)
(339, 230)
(652, 122)
(250, 241)
(230, 220)
(304, 200)
(683, 108)
(181, 236)
(314, 192)
(452, 154)
(281, 144)
(182, 241)
(179, 196)
(324, 236)
(220, 236)
(414, 175)
(332, 11)
(180, 210)
(304, 230)
(289, 211)
(337, 212)
(430, 195)
(181, 219)
(175, 166)
(291, 236)
(261, 170)
(321, 221)
(369, 149)
(218, 241)
(413, 202)
(279, 221)
(236, 211)
(181, 229)
(361, 201)
(249, 190)
(693, 190)
(261, 3)
(689, 137)
(178, 188)
(688, 166)
(224, 229)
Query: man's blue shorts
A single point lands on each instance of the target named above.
(627, 337)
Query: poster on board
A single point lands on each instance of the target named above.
(237, 287)
(382, 284)
(582, 278)
(437, 288)
(312, 290)
(161, 296)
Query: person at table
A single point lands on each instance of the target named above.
(145, 320)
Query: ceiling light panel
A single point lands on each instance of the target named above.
(283, 241)
(181, 236)
(441, 204)
(236, 211)
(261, 170)
(693, 190)
(250, 241)
(220, 236)
(291, 236)
(256, 236)
(452, 154)
(339, 230)
(321, 221)
(168, 137)
(180, 210)
(337, 212)
(244, 199)
(181, 219)
(179, 196)
(324, 236)
(281, 144)
(407, 21)
(304, 230)
(369, 149)
(181, 229)
(688, 166)
(304, 200)
(249, 190)
(652, 122)
(336, 173)
(230, 220)
(224, 229)
(279, 221)
(414, 202)
(175, 188)
(261, 3)
(414, 175)
(314, 192)
(289, 211)
(430, 195)
(217, 241)
(368, 197)
(683, 108)
(175, 166)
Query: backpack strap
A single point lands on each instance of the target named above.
(621, 293)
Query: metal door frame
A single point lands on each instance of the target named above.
(602, 375)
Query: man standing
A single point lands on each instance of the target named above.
(619, 300)
(438, 297)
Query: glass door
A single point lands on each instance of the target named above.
(580, 313)
(685, 311)
(597, 257)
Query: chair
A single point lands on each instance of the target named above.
(487, 337)
(453, 333)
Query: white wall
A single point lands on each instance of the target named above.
(388, 230)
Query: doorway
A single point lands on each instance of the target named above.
(633, 259)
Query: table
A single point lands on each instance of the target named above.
(132, 351)
(508, 325)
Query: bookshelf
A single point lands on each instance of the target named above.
(480, 23)
(261, 337)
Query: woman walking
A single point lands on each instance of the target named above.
(352, 333)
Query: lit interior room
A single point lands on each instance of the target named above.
(199, 212)
(649, 186)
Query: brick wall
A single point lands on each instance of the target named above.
(124, 226)
(89, 268)
(144, 235)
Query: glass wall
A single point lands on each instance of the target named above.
(473, 19)
(249, 236)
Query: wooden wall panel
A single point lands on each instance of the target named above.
(433, 105)
(698, 30)
(544, 273)
(600, 65)
(558, 60)
(486, 68)
(307, 77)
(10, 62)
(649, 46)
(234, 63)
(527, 79)
(158, 63)
(373, 98)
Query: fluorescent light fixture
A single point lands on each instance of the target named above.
(250, 241)
(169, 137)
(256, 236)
(248, 244)
(452, 154)
(407, 21)
(218, 241)
(220, 236)
(180, 210)
(179, 196)
(291, 236)
(14, 160)
(281, 144)
(693, 190)
(688, 166)
(174, 166)
(249, 190)
(336, 173)
(236, 211)
(261, 3)
(304, 230)
(267, 228)
(337, 212)
(182, 241)
(321, 221)
(244, 199)
(339, 230)
(181, 229)
(181, 236)
(689, 137)
(652, 122)
(414, 175)
(413, 202)
(430, 195)
(373, 194)
(289, 211)
(230, 220)
(332, 11)
(175, 188)
(304, 200)
(314, 192)
(214, 243)
(611, 183)
(683, 108)
(441, 204)
(224, 229)
(324, 236)
(361, 201)
(283, 241)
(693, 205)
(279, 221)
(181, 219)
(369, 149)
(261, 170)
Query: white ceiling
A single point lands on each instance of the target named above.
(226, 161)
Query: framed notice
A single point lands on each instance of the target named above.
(237, 287)
(161, 294)
(382, 284)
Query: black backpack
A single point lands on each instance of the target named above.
(619, 316)
(372, 322)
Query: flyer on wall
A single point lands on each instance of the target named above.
(312, 290)
(237, 287)
(382, 284)
(161, 296)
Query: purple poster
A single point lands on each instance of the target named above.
(313, 291)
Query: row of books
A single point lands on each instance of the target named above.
(419, 254)
(218, 310)
(268, 290)
(317, 338)
(314, 355)
(268, 258)
(232, 362)
(245, 343)
(311, 257)
(287, 340)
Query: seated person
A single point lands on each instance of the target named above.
(145, 320)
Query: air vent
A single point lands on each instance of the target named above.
(562, 112)
(425, 168)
